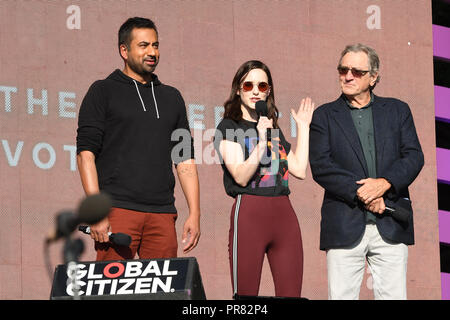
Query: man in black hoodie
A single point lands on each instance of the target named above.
(125, 147)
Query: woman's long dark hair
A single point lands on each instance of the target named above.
(233, 104)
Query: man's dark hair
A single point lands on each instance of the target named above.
(132, 23)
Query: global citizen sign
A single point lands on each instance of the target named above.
(120, 278)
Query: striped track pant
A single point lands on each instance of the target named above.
(265, 225)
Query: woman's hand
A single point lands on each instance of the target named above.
(264, 123)
(298, 159)
(305, 111)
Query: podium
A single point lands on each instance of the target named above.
(155, 279)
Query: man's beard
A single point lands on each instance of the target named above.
(141, 69)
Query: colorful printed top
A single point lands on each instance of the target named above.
(271, 177)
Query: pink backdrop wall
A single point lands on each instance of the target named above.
(51, 51)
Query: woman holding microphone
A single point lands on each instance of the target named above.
(256, 161)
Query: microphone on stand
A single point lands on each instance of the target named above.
(121, 239)
(91, 210)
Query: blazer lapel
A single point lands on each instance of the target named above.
(380, 119)
(344, 120)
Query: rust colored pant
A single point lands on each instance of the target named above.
(259, 226)
(153, 235)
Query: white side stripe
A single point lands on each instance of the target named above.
(235, 242)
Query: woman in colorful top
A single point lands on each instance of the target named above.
(256, 160)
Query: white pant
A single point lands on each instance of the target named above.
(387, 262)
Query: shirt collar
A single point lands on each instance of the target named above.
(366, 106)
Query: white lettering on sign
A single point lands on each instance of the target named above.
(74, 20)
(374, 20)
(136, 278)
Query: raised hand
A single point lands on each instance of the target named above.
(305, 111)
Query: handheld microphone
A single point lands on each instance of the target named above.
(261, 108)
(398, 212)
(121, 239)
(91, 210)
(262, 111)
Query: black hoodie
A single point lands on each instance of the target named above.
(128, 126)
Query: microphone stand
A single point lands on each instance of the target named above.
(72, 251)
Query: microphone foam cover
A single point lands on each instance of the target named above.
(94, 208)
(121, 239)
(401, 214)
(66, 222)
(261, 108)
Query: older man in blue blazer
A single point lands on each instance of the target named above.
(364, 151)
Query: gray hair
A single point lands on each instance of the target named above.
(374, 60)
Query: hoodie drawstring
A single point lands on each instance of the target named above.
(139, 94)
(154, 99)
(142, 101)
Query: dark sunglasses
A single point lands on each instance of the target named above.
(355, 72)
(262, 86)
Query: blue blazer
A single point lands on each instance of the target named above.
(337, 162)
